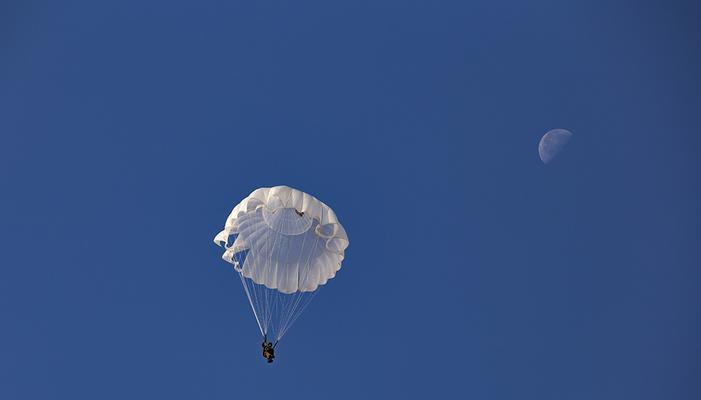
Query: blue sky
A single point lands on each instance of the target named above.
(130, 129)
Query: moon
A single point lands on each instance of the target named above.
(552, 142)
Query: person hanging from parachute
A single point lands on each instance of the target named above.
(284, 244)
(268, 349)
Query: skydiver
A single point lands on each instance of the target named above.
(268, 349)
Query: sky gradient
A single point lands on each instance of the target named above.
(130, 129)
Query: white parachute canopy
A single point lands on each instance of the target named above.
(284, 244)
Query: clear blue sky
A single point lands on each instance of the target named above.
(129, 129)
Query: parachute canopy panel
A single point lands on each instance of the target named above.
(292, 241)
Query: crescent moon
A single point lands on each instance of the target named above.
(552, 143)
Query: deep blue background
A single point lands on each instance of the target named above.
(129, 129)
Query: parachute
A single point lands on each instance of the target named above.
(284, 244)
